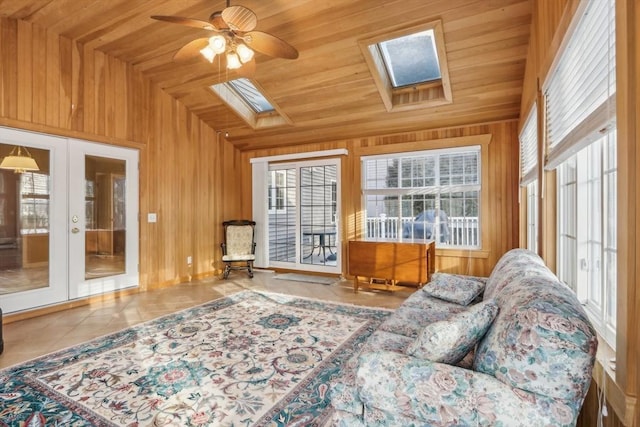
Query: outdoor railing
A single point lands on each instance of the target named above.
(463, 231)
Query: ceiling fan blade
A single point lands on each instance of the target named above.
(239, 18)
(186, 21)
(191, 50)
(269, 45)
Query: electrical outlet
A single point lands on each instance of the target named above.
(189, 260)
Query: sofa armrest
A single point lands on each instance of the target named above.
(439, 394)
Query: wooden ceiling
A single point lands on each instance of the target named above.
(329, 92)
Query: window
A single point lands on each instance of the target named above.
(90, 204)
(532, 216)
(529, 174)
(277, 191)
(424, 195)
(34, 203)
(409, 67)
(587, 252)
(580, 122)
(334, 202)
(249, 101)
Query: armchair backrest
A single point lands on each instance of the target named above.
(239, 237)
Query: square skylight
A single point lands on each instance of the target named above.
(411, 59)
(251, 95)
(409, 66)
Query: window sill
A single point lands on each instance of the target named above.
(604, 375)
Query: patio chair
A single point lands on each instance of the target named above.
(239, 247)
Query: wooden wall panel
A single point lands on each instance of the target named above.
(502, 187)
(51, 84)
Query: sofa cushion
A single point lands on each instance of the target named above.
(410, 320)
(449, 341)
(541, 341)
(426, 302)
(454, 288)
(380, 341)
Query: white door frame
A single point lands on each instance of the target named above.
(78, 285)
(57, 289)
(337, 269)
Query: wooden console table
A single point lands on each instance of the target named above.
(392, 261)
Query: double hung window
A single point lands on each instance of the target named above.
(529, 175)
(431, 194)
(580, 121)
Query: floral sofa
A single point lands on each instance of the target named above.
(515, 349)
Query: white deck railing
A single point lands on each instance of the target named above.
(463, 231)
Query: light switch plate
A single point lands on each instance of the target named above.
(152, 217)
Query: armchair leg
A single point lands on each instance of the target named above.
(250, 268)
(227, 269)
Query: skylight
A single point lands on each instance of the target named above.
(409, 66)
(249, 101)
(251, 95)
(411, 59)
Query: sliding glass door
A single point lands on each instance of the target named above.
(68, 222)
(303, 204)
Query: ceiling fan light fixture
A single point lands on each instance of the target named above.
(218, 44)
(233, 61)
(244, 52)
(208, 53)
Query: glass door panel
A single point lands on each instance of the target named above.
(282, 211)
(318, 208)
(105, 212)
(24, 225)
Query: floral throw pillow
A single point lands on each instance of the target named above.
(450, 340)
(454, 288)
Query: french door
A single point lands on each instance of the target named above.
(303, 212)
(102, 219)
(68, 226)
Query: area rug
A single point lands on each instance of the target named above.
(250, 359)
(309, 278)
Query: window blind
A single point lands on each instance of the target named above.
(580, 91)
(529, 148)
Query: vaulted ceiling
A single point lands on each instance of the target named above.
(329, 92)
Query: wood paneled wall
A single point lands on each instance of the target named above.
(550, 22)
(52, 85)
(502, 233)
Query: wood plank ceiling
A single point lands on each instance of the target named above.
(328, 92)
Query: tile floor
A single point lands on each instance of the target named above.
(26, 339)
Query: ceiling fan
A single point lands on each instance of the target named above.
(234, 41)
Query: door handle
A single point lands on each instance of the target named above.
(75, 230)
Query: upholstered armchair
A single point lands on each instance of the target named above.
(239, 247)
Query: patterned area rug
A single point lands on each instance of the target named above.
(251, 359)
